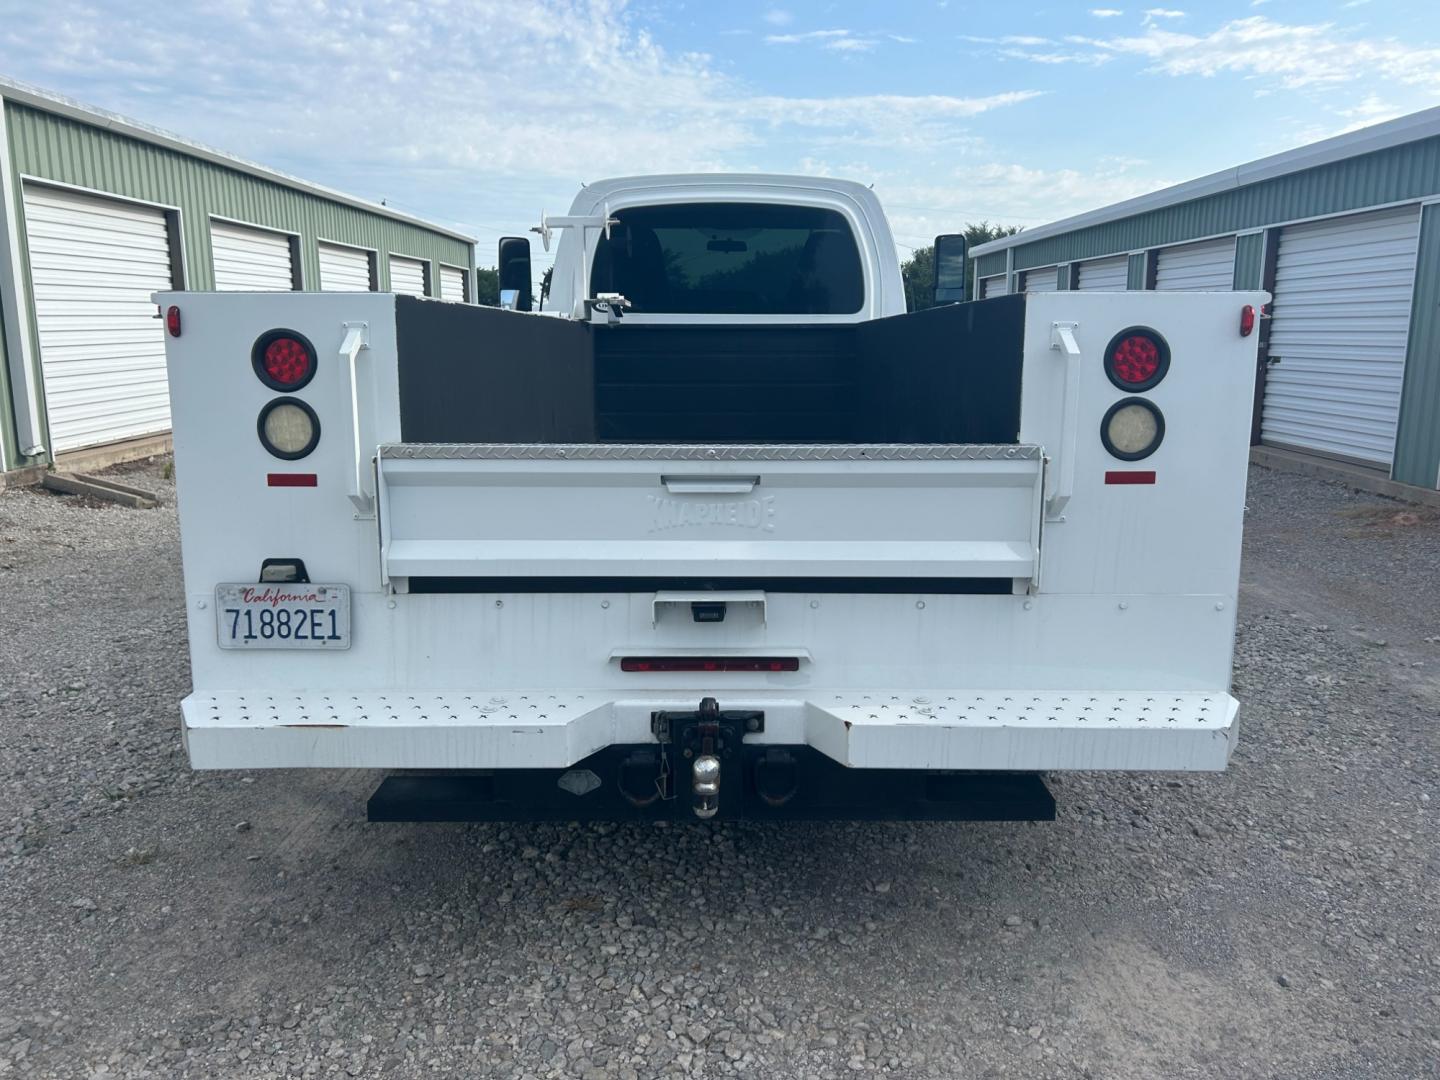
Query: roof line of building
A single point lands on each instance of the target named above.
(1403, 129)
(47, 101)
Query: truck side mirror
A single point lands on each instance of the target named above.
(515, 285)
(949, 268)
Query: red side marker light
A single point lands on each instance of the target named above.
(709, 663)
(292, 479)
(1247, 320)
(1130, 476)
(172, 320)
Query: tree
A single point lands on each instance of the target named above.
(918, 271)
(487, 286)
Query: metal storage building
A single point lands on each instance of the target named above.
(1345, 235)
(97, 212)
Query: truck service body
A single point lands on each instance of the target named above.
(759, 545)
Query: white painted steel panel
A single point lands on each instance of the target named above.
(1043, 279)
(486, 517)
(1341, 326)
(407, 276)
(1204, 267)
(94, 264)
(909, 729)
(992, 286)
(250, 260)
(1105, 275)
(452, 285)
(344, 269)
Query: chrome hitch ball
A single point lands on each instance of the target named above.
(705, 785)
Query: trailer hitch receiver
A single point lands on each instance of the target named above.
(710, 741)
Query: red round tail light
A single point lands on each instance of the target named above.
(283, 359)
(1137, 359)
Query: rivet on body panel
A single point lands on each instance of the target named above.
(920, 604)
(1124, 606)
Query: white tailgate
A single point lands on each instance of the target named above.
(501, 510)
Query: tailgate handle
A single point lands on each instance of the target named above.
(1062, 340)
(710, 485)
(357, 339)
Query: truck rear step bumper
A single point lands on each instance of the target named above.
(1003, 730)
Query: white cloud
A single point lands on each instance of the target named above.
(835, 40)
(1151, 14)
(1106, 13)
(477, 114)
(1292, 55)
(778, 17)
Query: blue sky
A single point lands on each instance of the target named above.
(480, 114)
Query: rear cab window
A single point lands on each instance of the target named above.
(718, 258)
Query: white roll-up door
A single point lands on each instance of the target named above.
(93, 265)
(250, 260)
(407, 276)
(452, 284)
(1042, 279)
(1105, 275)
(992, 286)
(344, 269)
(1339, 333)
(1204, 267)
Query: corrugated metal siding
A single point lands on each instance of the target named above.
(57, 148)
(989, 265)
(1411, 171)
(1136, 272)
(1417, 444)
(1249, 261)
(69, 151)
(1338, 335)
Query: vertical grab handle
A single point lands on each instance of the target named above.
(1062, 340)
(357, 339)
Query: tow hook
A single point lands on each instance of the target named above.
(707, 738)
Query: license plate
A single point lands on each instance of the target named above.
(283, 616)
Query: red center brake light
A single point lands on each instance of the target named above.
(1137, 359)
(283, 360)
(709, 663)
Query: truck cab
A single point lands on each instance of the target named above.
(724, 532)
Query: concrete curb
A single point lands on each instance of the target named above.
(1356, 477)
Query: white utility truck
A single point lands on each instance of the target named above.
(727, 533)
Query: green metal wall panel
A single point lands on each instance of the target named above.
(990, 265)
(1136, 269)
(46, 146)
(52, 147)
(1249, 256)
(1417, 443)
(1396, 174)
(7, 409)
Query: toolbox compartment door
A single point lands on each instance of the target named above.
(608, 511)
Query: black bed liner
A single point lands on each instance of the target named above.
(476, 374)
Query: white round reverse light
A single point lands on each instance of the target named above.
(289, 428)
(1132, 429)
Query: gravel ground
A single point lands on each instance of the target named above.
(1279, 919)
